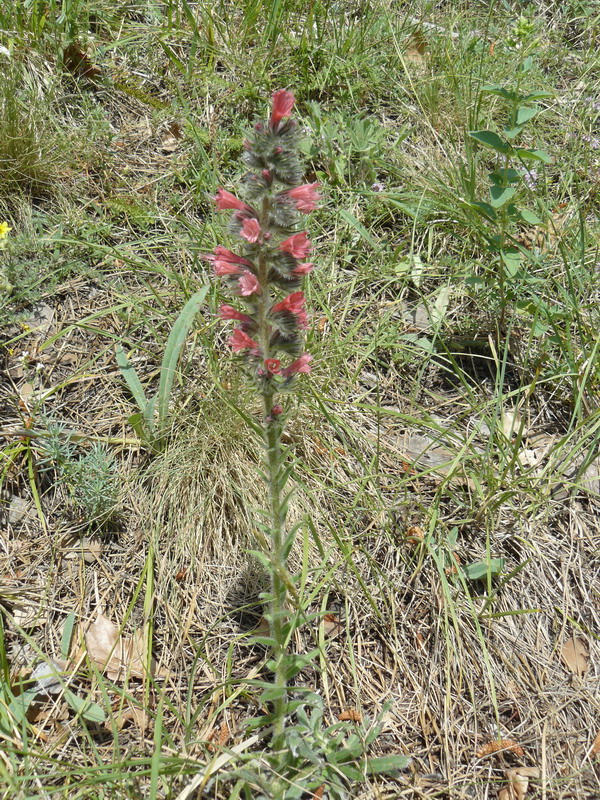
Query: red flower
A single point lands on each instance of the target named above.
(250, 230)
(225, 200)
(276, 410)
(305, 197)
(300, 365)
(293, 302)
(303, 269)
(273, 365)
(248, 284)
(283, 102)
(241, 341)
(229, 312)
(297, 245)
(225, 262)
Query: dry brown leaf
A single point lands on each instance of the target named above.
(332, 626)
(415, 534)
(415, 52)
(132, 713)
(350, 715)
(117, 656)
(499, 745)
(575, 654)
(79, 63)
(518, 783)
(595, 751)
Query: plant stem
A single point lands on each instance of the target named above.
(278, 566)
(278, 584)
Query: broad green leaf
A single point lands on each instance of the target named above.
(491, 139)
(131, 378)
(529, 217)
(500, 195)
(387, 765)
(525, 113)
(512, 133)
(175, 342)
(533, 155)
(485, 209)
(535, 96)
(512, 260)
(90, 711)
(137, 423)
(502, 177)
(478, 569)
(498, 90)
(19, 705)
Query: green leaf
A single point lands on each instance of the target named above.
(131, 378)
(491, 139)
(65, 643)
(19, 705)
(533, 155)
(137, 423)
(500, 195)
(172, 350)
(485, 209)
(387, 765)
(512, 260)
(502, 177)
(529, 217)
(512, 133)
(478, 569)
(90, 711)
(498, 90)
(525, 113)
(535, 96)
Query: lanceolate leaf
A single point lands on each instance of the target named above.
(173, 349)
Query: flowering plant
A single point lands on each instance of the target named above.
(264, 276)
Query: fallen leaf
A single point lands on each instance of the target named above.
(332, 626)
(79, 63)
(350, 715)
(595, 751)
(575, 654)
(415, 52)
(500, 745)
(518, 783)
(116, 655)
(415, 534)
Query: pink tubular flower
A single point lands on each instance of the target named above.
(300, 365)
(225, 262)
(305, 197)
(229, 312)
(303, 269)
(250, 230)
(248, 284)
(241, 341)
(297, 245)
(225, 200)
(273, 365)
(283, 102)
(293, 302)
